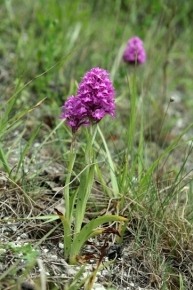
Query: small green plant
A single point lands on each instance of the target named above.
(21, 252)
(25, 251)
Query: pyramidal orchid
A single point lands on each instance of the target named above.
(134, 51)
(94, 100)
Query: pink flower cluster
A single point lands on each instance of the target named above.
(134, 52)
(94, 99)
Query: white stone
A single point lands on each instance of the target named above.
(61, 245)
(97, 286)
(45, 250)
(24, 236)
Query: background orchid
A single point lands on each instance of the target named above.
(134, 51)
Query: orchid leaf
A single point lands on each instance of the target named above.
(89, 230)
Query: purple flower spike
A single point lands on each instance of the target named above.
(95, 99)
(96, 93)
(134, 51)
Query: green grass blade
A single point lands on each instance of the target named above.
(4, 160)
(111, 165)
(27, 147)
(171, 147)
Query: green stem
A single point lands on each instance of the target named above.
(86, 182)
(68, 207)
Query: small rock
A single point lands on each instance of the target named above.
(28, 285)
(97, 286)
(61, 245)
(24, 236)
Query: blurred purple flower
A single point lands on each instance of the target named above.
(95, 99)
(134, 51)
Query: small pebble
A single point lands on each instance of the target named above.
(27, 286)
(45, 250)
(97, 286)
(61, 245)
(24, 236)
